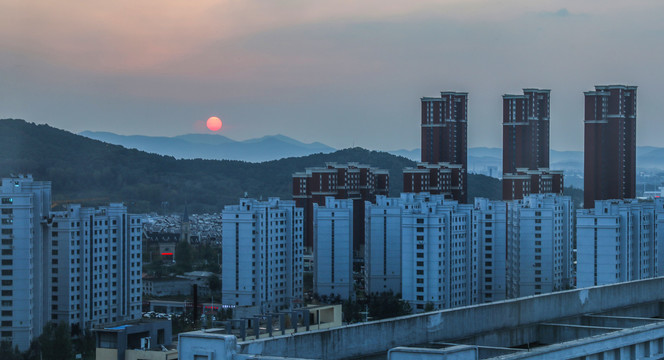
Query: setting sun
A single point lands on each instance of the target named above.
(214, 123)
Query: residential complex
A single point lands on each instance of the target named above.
(610, 144)
(81, 265)
(526, 146)
(95, 276)
(383, 245)
(436, 179)
(436, 251)
(539, 245)
(619, 240)
(352, 181)
(490, 229)
(25, 261)
(262, 257)
(444, 135)
(333, 248)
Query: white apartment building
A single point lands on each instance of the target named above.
(96, 265)
(490, 231)
(539, 237)
(333, 248)
(382, 250)
(24, 259)
(619, 240)
(262, 259)
(439, 254)
(446, 254)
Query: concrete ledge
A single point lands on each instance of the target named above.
(458, 352)
(446, 325)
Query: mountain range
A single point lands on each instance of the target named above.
(214, 147)
(273, 147)
(92, 172)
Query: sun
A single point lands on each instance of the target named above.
(214, 123)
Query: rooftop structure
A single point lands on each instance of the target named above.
(621, 321)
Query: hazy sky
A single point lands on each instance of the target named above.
(341, 72)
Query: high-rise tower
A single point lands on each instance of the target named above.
(444, 134)
(526, 146)
(610, 144)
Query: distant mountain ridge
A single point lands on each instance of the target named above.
(646, 157)
(92, 172)
(214, 147)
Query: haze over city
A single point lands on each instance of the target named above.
(321, 71)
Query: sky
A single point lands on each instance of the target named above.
(344, 72)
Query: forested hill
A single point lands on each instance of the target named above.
(93, 172)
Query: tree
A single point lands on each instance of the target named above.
(86, 345)
(214, 283)
(7, 352)
(53, 344)
(352, 311)
(183, 256)
(387, 305)
(429, 306)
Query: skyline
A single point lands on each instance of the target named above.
(322, 72)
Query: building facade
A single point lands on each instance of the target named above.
(82, 266)
(609, 166)
(444, 136)
(436, 179)
(526, 146)
(25, 263)
(353, 181)
(383, 246)
(448, 254)
(96, 262)
(438, 253)
(539, 245)
(619, 240)
(490, 228)
(333, 248)
(424, 247)
(262, 254)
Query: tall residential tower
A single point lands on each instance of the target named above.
(610, 144)
(444, 137)
(526, 146)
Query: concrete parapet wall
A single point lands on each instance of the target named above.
(448, 325)
(462, 352)
(556, 333)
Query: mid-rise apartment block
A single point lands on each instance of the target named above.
(438, 253)
(82, 266)
(333, 248)
(383, 245)
(526, 146)
(444, 138)
(352, 181)
(95, 265)
(436, 179)
(609, 165)
(25, 261)
(539, 244)
(262, 254)
(619, 240)
(490, 227)
(435, 251)
(422, 246)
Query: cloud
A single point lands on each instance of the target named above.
(560, 13)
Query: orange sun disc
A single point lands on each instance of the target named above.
(214, 123)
